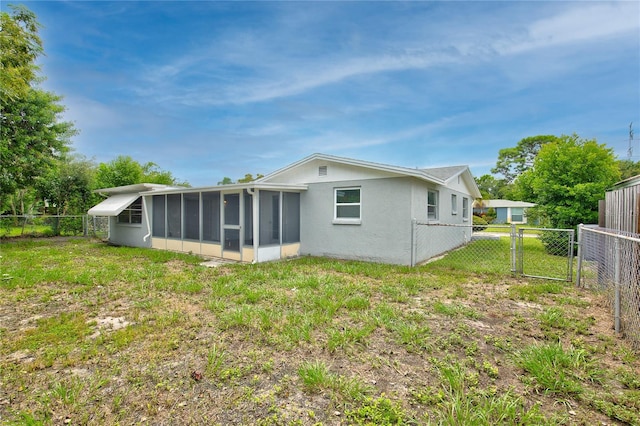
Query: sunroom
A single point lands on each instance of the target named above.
(249, 222)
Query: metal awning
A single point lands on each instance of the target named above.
(113, 205)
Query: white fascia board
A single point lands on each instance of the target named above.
(234, 188)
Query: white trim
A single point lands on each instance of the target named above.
(347, 220)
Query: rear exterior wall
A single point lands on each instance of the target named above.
(384, 231)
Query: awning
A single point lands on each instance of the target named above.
(113, 205)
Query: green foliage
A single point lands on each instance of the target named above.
(31, 135)
(628, 168)
(492, 188)
(379, 411)
(556, 370)
(124, 170)
(512, 162)
(68, 186)
(20, 46)
(568, 178)
(479, 224)
(32, 138)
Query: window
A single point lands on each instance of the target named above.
(465, 208)
(159, 208)
(517, 214)
(454, 204)
(269, 218)
(347, 204)
(432, 205)
(133, 213)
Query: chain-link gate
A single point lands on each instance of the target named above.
(540, 253)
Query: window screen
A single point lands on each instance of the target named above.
(191, 216)
(174, 216)
(291, 217)
(269, 218)
(248, 219)
(159, 210)
(211, 216)
(232, 209)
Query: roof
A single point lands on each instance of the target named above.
(113, 205)
(138, 187)
(445, 173)
(503, 203)
(632, 181)
(438, 175)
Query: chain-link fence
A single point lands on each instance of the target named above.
(463, 246)
(534, 252)
(609, 261)
(12, 226)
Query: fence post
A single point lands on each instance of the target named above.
(579, 265)
(513, 249)
(616, 281)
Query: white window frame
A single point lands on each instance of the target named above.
(454, 204)
(347, 220)
(126, 215)
(436, 215)
(465, 209)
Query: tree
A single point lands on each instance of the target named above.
(20, 46)
(491, 188)
(628, 168)
(249, 178)
(32, 137)
(68, 187)
(124, 170)
(226, 181)
(512, 162)
(31, 133)
(568, 177)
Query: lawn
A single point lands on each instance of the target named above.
(95, 334)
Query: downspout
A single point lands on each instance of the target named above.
(146, 216)
(255, 218)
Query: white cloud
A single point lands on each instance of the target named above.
(585, 22)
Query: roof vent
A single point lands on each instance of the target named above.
(322, 171)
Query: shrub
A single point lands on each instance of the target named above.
(556, 243)
(479, 224)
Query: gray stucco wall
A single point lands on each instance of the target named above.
(131, 235)
(384, 234)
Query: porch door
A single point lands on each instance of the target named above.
(231, 228)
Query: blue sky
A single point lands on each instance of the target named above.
(214, 89)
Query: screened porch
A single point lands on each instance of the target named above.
(247, 224)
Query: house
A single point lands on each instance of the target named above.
(621, 209)
(507, 211)
(321, 205)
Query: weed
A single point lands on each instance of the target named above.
(378, 411)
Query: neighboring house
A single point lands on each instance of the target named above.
(321, 205)
(507, 211)
(622, 206)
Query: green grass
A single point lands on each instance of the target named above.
(114, 335)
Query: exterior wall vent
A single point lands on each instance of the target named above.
(322, 171)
